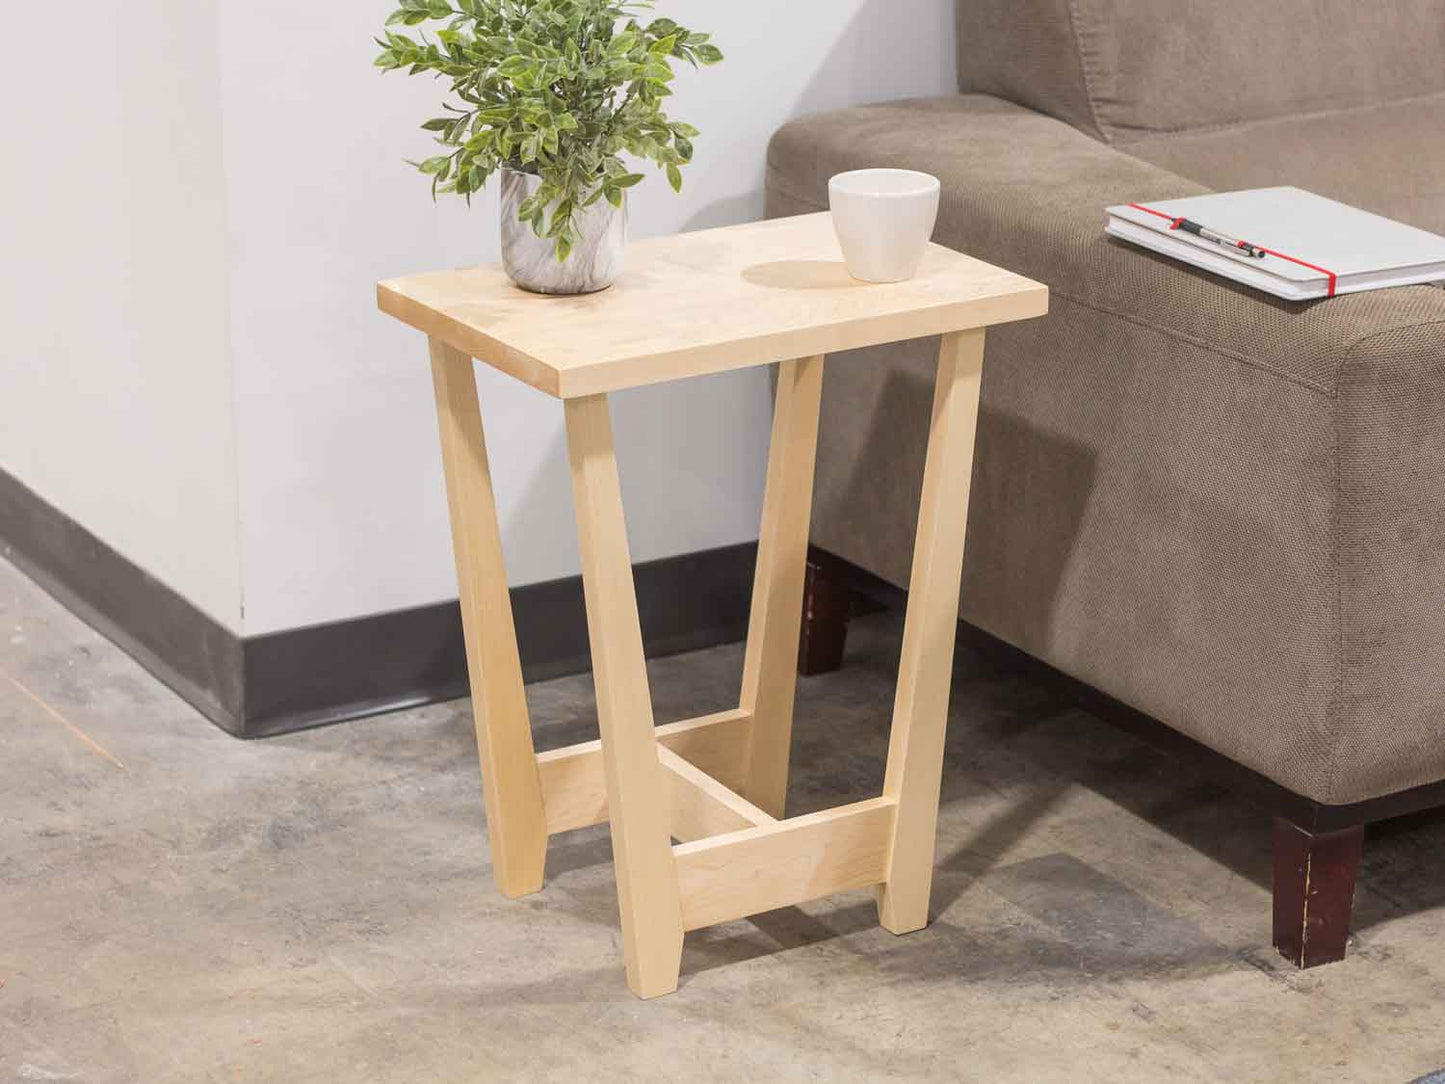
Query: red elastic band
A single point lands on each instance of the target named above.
(1329, 275)
(1151, 211)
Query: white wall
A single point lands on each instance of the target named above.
(342, 510)
(193, 365)
(115, 368)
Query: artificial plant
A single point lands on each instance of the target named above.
(556, 88)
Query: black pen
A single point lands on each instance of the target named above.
(1205, 233)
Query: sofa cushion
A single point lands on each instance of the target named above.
(1123, 69)
(1389, 158)
(1224, 509)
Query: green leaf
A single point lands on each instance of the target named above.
(561, 218)
(514, 66)
(566, 89)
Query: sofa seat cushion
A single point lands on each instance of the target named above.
(1224, 509)
(1389, 159)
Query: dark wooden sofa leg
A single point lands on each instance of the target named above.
(826, 602)
(1314, 891)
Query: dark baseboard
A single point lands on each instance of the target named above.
(263, 685)
(326, 673)
(188, 650)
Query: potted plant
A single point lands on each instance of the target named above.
(552, 93)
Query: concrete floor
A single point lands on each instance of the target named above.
(176, 905)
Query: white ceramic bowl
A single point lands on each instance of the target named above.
(884, 219)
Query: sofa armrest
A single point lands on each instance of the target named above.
(1028, 192)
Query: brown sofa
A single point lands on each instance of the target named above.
(1224, 510)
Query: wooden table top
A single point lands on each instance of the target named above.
(705, 302)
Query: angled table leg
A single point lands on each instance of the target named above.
(511, 789)
(639, 792)
(920, 708)
(770, 668)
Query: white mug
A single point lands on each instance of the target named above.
(884, 219)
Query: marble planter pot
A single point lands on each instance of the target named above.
(531, 261)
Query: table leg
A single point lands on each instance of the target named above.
(639, 801)
(511, 789)
(920, 708)
(771, 665)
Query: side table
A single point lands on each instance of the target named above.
(688, 305)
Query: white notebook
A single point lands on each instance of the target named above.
(1314, 246)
